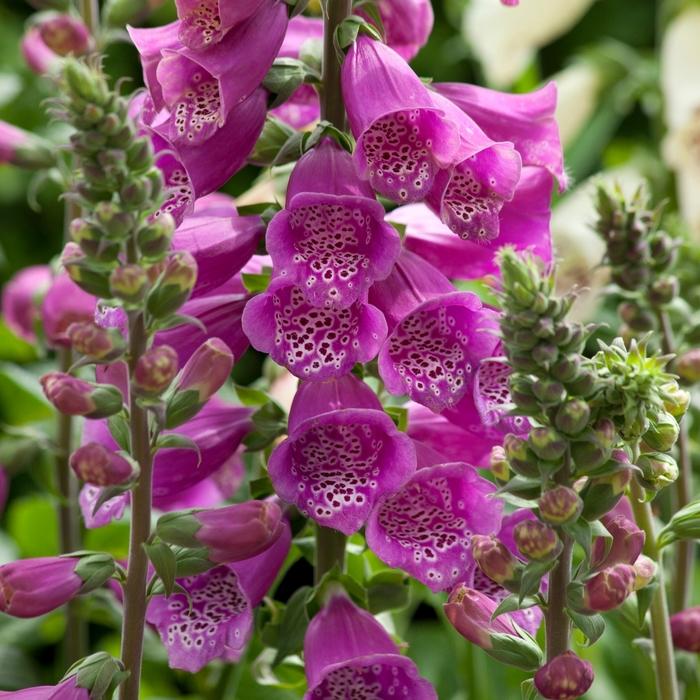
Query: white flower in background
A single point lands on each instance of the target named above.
(505, 39)
(578, 90)
(680, 84)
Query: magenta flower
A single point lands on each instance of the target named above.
(215, 620)
(312, 343)
(403, 138)
(425, 527)
(609, 588)
(627, 543)
(524, 224)
(110, 510)
(565, 677)
(65, 690)
(343, 453)
(527, 120)
(51, 38)
(77, 397)
(64, 304)
(347, 652)
(331, 239)
(685, 629)
(22, 148)
(95, 464)
(407, 25)
(20, 300)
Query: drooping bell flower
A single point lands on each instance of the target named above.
(108, 511)
(524, 224)
(215, 619)
(20, 300)
(403, 138)
(348, 653)
(407, 25)
(331, 239)
(525, 119)
(53, 37)
(96, 465)
(77, 397)
(235, 532)
(64, 304)
(437, 335)
(65, 690)
(343, 453)
(312, 343)
(33, 587)
(425, 527)
(565, 677)
(627, 543)
(24, 149)
(608, 589)
(685, 629)
(469, 196)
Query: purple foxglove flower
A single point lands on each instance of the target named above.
(347, 652)
(527, 120)
(65, 303)
(535, 540)
(331, 239)
(20, 300)
(565, 677)
(110, 510)
(24, 149)
(96, 465)
(312, 343)
(51, 38)
(155, 370)
(337, 462)
(524, 224)
(685, 629)
(608, 589)
(495, 559)
(469, 196)
(215, 620)
(65, 690)
(627, 543)
(77, 397)
(199, 90)
(221, 245)
(217, 204)
(425, 527)
(403, 138)
(432, 352)
(235, 532)
(407, 25)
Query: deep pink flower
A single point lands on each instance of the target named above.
(77, 397)
(347, 652)
(331, 239)
(685, 629)
(51, 38)
(565, 677)
(21, 298)
(96, 465)
(64, 304)
(627, 543)
(609, 589)
(65, 690)
(407, 25)
(343, 453)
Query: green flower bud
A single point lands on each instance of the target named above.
(662, 250)
(602, 493)
(631, 277)
(687, 366)
(636, 318)
(545, 353)
(521, 459)
(174, 286)
(536, 541)
(572, 417)
(89, 276)
(98, 674)
(544, 327)
(584, 385)
(524, 340)
(664, 291)
(117, 224)
(129, 283)
(676, 400)
(560, 505)
(548, 391)
(139, 155)
(92, 241)
(154, 239)
(547, 444)
(566, 369)
(658, 470)
(498, 463)
(663, 433)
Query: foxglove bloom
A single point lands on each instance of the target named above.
(527, 120)
(403, 138)
(154, 371)
(64, 304)
(331, 239)
(524, 224)
(565, 677)
(65, 690)
(343, 453)
(20, 300)
(348, 653)
(51, 38)
(685, 629)
(77, 397)
(627, 543)
(425, 527)
(24, 149)
(312, 343)
(215, 619)
(95, 464)
(608, 589)
(99, 344)
(407, 25)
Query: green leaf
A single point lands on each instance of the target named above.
(293, 624)
(399, 415)
(164, 562)
(119, 428)
(249, 396)
(684, 525)
(512, 603)
(261, 488)
(387, 590)
(285, 76)
(255, 283)
(644, 597)
(13, 348)
(528, 690)
(178, 441)
(532, 577)
(33, 524)
(592, 626)
(21, 398)
(269, 423)
(581, 533)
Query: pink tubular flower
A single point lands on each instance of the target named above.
(155, 370)
(343, 453)
(403, 138)
(312, 343)
(331, 239)
(215, 619)
(627, 543)
(347, 652)
(64, 304)
(77, 397)
(425, 527)
(65, 690)
(609, 589)
(20, 300)
(54, 36)
(565, 677)
(24, 149)
(407, 25)
(95, 464)
(685, 629)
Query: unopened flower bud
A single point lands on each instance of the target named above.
(92, 242)
(685, 630)
(663, 291)
(572, 417)
(76, 397)
(94, 464)
(96, 675)
(202, 376)
(154, 239)
(545, 353)
(549, 392)
(155, 370)
(116, 223)
(129, 283)
(662, 250)
(631, 277)
(24, 149)
(96, 343)
(229, 534)
(174, 286)
(495, 560)
(547, 444)
(567, 368)
(89, 276)
(676, 400)
(608, 589)
(560, 505)
(635, 317)
(687, 366)
(521, 459)
(602, 493)
(627, 542)
(565, 677)
(659, 470)
(498, 463)
(645, 571)
(536, 541)
(52, 37)
(583, 385)
(663, 433)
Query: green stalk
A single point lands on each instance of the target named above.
(557, 622)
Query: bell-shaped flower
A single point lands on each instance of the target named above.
(25, 149)
(215, 619)
(524, 224)
(425, 528)
(407, 25)
(565, 677)
(348, 653)
(685, 629)
(526, 119)
(403, 138)
(64, 304)
(313, 343)
(67, 689)
(52, 37)
(95, 464)
(342, 454)
(627, 543)
(21, 298)
(331, 239)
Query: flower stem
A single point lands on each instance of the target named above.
(135, 600)
(666, 682)
(685, 549)
(557, 622)
(90, 12)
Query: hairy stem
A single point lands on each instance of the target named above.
(666, 682)
(557, 622)
(685, 550)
